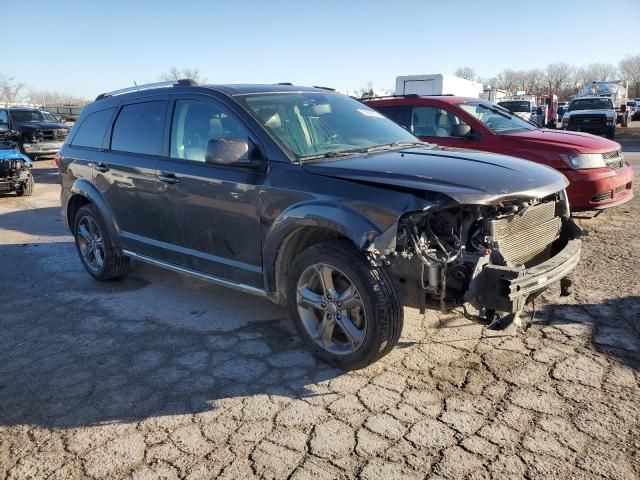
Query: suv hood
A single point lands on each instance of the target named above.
(564, 140)
(466, 176)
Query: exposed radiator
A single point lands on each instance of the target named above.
(525, 235)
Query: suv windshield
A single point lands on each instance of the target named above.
(315, 124)
(591, 104)
(516, 106)
(26, 116)
(496, 118)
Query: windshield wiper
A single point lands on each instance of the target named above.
(375, 148)
(332, 154)
(388, 146)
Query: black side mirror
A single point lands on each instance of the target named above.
(539, 111)
(461, 130)
(229, 151)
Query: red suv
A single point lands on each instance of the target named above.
(595, 166)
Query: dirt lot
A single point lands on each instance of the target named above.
(162, 376)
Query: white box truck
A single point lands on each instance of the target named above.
(437, 84)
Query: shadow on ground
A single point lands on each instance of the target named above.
(40, 222)
(612, 327)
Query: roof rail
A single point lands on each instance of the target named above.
(407, 95)
(325, 88)
(185, 82)
(284, 83)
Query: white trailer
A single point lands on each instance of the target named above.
(437, 84)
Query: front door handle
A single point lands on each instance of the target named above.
(168, 177)
(102, 167)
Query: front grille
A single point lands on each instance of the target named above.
(616, 164)
(587, 121)
(55, 134)
(525, 235)
(602, 196)
(610, 155)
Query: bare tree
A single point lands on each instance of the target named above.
(10, 90)
(508, 80)
(596, 72)
(630, 70)
(532, 80)
(190, 73)
(467, 73)
(52, 97)
(557, 76)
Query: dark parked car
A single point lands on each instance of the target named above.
(15, 168)
(309, 198)
(40, 134)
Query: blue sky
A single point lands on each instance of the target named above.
(86, 47)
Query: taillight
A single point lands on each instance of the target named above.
(58, 159)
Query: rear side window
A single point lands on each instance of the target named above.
(92, 130)
(138, 128)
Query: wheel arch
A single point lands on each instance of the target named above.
(83, 193)
(299, 228)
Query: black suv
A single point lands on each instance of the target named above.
(310, 198)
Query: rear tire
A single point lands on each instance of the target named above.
(95, 246)
(376, 320)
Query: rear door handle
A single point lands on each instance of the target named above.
(102, 167)
(168, 177)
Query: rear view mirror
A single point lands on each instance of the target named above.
(460, 130)
(321, 109)
(228, 151)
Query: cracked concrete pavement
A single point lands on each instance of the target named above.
(163, 376)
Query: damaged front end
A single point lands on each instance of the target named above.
(15, 168)
(496, 257)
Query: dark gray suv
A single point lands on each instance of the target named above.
(310, 198)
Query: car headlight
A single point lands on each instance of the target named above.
(580, 161)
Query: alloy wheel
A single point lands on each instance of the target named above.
(331, 309)
(91, 243)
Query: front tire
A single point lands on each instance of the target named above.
(95, 247)
(611, 135)
(346, 310)
(27, 188)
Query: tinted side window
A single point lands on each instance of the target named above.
(91, 131)
(138, 128)
(197, 122)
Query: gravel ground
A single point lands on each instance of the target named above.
(163, 376)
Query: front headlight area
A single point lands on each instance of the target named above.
(581, 161)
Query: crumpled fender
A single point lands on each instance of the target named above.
(86, 189)
(349, 223)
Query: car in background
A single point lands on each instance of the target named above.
(562, 108)
(15, 167)
(595, 115)
(634, 109)
(599, 175)
(39, 136)
(525, 108)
